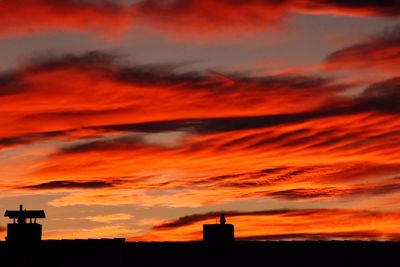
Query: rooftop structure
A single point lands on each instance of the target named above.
(219, 233)
(24, 228)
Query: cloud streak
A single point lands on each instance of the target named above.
(377, 189)
(380, 52)
(308, 224)
(302, 137)
(39, 16)
(177, 18)
(91, 131)
(93, 74)
(70, 185)
(185, 17)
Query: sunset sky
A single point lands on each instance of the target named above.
(145, 119)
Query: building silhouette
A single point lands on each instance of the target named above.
(24, 228)
(219, 233)
(218, 249)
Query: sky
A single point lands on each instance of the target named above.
(146, 119)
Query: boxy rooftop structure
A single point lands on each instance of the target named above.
(22, 231)
(219, 233)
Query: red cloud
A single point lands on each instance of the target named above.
(108, 121)
(381, 52)
(196, 18)
(37, 16)
(350, 7)
(96, 90)
(200, 17)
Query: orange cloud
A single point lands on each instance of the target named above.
(99, 92)
(391, 186)
(108, 231)
(311, 224)
(137, 134)
(102, 133)
(110, 218)
(92, 131)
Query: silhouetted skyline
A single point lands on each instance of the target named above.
(24, 247)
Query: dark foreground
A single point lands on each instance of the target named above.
(117, 253)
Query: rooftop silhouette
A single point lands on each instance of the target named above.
(218, 249)
(22, 231)
(219, 233)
